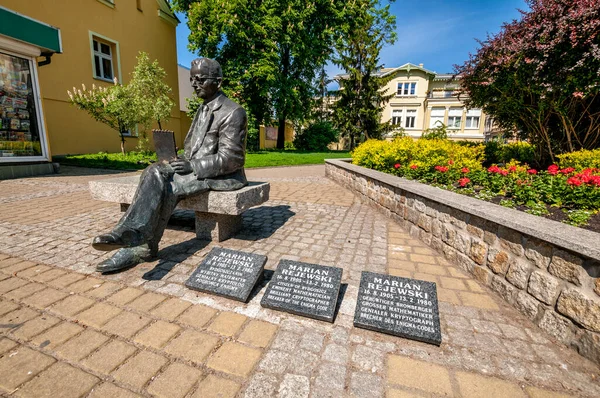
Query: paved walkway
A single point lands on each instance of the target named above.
(69, 332)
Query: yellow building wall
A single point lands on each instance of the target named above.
(72, 131)
(264, 143)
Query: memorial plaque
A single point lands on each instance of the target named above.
(304, 289)
(228, 273)
(399, 306)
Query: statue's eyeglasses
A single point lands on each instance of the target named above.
(201, 80)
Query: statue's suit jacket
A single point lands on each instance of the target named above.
(216, 148)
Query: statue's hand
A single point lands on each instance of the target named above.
(181, 166)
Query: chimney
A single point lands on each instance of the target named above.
(420, 65)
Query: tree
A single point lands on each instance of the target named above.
(149, 88)
(539, 76)
(361, 97)
(122, 107)
(270, 50)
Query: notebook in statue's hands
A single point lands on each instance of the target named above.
(164, 143)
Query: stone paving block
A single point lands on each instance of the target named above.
(421, 375)
(49, 275)
(366, 385)
(234, 358)
(16, 318)
(125, 296)
(84, 285)
(72, 305)
(139, 369)
(157, 334)
(44, 298)
(257, 333)
(393, 393)
(197, 316)
(478, 300)
(35, 326)
(56, 335)
(66, 280)
(367, 358)
(426, 277)
(110, 390)
(286, 341)
(404, 265)
(126, 324)
(423, 258)
(7, 306)
(227, 323)
(146, 302)
(104, 290)
(11, 284)
(98, 315)
(216, 387)
(474, 286)
(260, 386)
(275, 362)
(18, 267)
(108, 357)
(192, 345)
(294, 386)
(81, 346)
(24, 291)
(33, 271)
(335, 353)
(448, 296)
(170, 309)
(452, 283)
(175, 381)
(59, 381)
(6, 262)
(476, 386)
(20, 365)
(6, 345)
(535, 392)
(400, 272)
(331, 376)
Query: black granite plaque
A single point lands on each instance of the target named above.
(399, 306)
(304, 289)
(228, 273)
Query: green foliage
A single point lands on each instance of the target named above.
(151, 91)
(360, 100)
(122, 107)
(289, 146)
(520, 151)
(536, 208)
(508, 203)
(193, 104)
(580, 159)
(316, 137)
(435, 133)
(578, 218)
(271, 51)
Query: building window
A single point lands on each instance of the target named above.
(407, 89)
(454, 118)
(103, 60)
(397, 117)
(472, 121)
(411, 116)
(437, 117)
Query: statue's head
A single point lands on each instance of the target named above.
(206, 76)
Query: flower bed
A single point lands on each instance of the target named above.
(568, 194)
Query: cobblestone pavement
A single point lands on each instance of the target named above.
(67, 331)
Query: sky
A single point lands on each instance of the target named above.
(436, 33)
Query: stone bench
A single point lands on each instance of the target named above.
(218, 213)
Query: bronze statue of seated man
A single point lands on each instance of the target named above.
(215, 150)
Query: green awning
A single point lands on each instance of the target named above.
(25, 29)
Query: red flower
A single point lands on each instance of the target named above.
(413, 166)
(397, 166)
(512, 169)
(504, 172)
(595, 180)
(463, 181)
(451, 162)
(574, 181)
(441, 169)
(532, 171)
(553, 169)
(568, 170)
(465, 170)
(494, 169)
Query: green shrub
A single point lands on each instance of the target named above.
(492, 152)
(519, 151)
(435, 133)
(580, 159)
(316, 137)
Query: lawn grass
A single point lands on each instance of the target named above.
(137, 160)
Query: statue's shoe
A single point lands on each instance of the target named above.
(108, 242)
(123, 258)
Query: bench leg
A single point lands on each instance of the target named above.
(217, 227)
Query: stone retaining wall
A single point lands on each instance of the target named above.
(546, 269)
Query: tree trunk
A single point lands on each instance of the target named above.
(122, 142)
(285, 68)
